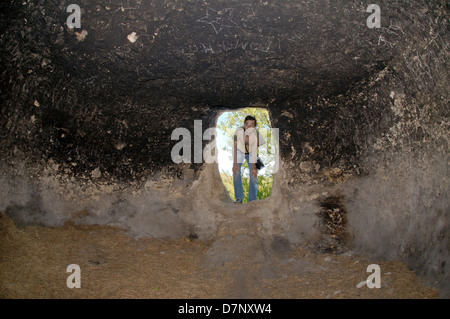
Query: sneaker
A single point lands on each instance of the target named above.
(238, 201)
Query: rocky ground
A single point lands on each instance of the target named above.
(34, 260)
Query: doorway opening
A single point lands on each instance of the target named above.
(226, 125)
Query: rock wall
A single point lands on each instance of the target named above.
(87, 115)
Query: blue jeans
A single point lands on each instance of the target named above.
(237, 180)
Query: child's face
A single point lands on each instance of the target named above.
(249, 124)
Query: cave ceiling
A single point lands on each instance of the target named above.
(228, 53)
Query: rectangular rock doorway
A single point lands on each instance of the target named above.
(226, 125)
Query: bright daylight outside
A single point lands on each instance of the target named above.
(227, 123)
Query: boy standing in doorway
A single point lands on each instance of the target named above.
(247, 139)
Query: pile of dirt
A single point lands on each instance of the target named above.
(34, 260)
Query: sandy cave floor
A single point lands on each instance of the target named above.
(34, 259)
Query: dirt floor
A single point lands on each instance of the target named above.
(34, 260)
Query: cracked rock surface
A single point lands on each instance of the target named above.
(87, 115)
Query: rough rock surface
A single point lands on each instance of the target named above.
(87, 115)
